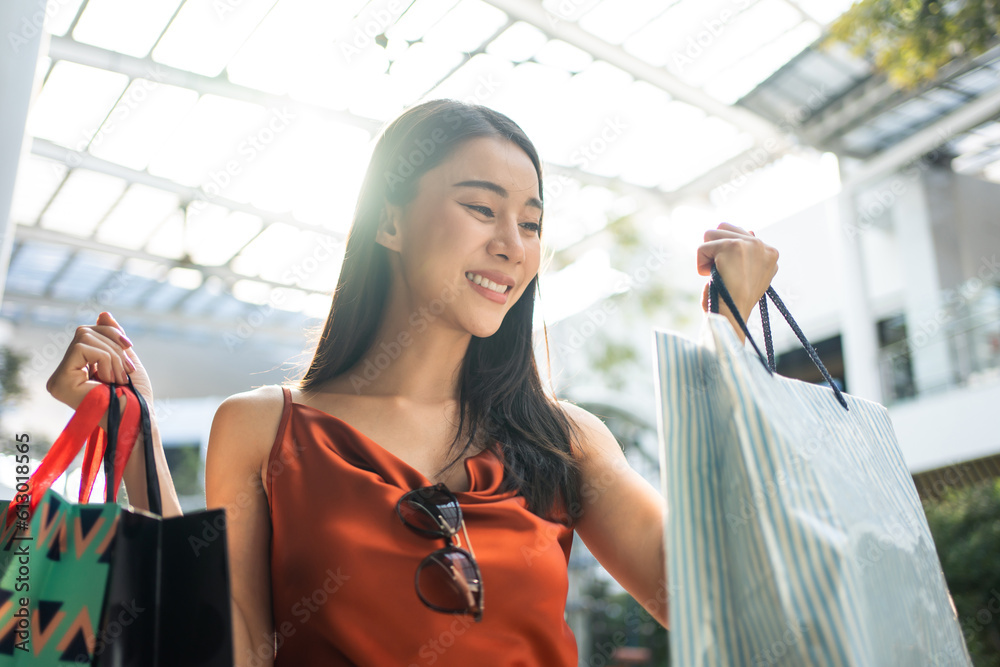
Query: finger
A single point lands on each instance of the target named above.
(114, 363)
(704, 298)
(112, 333)
(732, 228)
(707, 252)
(713, 234)
(93, 363)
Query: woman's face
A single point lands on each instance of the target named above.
(475, 218)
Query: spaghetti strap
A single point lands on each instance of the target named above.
(286, 412)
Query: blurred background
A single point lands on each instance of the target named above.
(191, 166)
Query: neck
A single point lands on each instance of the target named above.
(416, 356)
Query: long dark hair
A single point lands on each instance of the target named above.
(501, 392)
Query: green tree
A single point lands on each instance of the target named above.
(965, 524)
(910, 40)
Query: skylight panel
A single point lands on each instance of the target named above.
(125, 26)
(703, 146)
(275, 56)
(216, 132)
(205, 34)
(87, 271)
(184, 278)
(252, 291)
(418, 19)
(421, 67)
(518, 42)
(318, 266)
(270, 254)
(287, 299)
(614, 20)
(83, 200)
(145, 116)
(650, 153)
(467, 26)
(729, 38)
(134, 218)
(522, 92)
(598, 89)
(214, 234)
(557, 53)
(163, 298)
(59, 16)
(976, 81)
(745, 75)
(90, 92)
(330, 168)
(37, 180)
(168, 238)
(477, 81)
(33, 266)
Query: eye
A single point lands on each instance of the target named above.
(485, 210)
(533, 226)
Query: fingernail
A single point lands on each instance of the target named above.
(129, 363)
(125, 340)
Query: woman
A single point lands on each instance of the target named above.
(423, 381)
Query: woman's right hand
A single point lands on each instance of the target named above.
(99, 353)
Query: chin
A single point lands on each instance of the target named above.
(484, 329)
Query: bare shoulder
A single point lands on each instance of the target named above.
(246, 423)
(592, 436)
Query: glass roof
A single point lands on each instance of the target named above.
(212, 146)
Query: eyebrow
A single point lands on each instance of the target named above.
(534, 202)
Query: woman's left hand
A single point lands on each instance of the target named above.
(746, 264)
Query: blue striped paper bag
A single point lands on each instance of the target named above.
(794, 532)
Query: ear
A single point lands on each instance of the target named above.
(388, 232)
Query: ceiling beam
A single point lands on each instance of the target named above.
(227, 275)
(65, 48)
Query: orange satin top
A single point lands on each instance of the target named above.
(343, 563)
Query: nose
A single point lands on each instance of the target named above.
(506, 241)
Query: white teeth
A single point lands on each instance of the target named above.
(486, 282)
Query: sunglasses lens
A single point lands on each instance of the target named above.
(431, 511)
(449, 580)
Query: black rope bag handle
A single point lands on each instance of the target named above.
(717, 288)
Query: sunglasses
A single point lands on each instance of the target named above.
(447, 580)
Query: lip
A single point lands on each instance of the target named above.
(498, 278)
(495, 276)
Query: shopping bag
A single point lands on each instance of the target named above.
(100, 584)
(794, 532)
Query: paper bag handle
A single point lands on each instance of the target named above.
(717, 288)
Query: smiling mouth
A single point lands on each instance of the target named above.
(488, 284)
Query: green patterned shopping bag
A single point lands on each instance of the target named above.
(55, 555)
(101, 584)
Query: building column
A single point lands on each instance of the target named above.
(859, 334)
(930, 359)
(21, 29)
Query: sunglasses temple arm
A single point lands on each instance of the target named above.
(468, 544)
